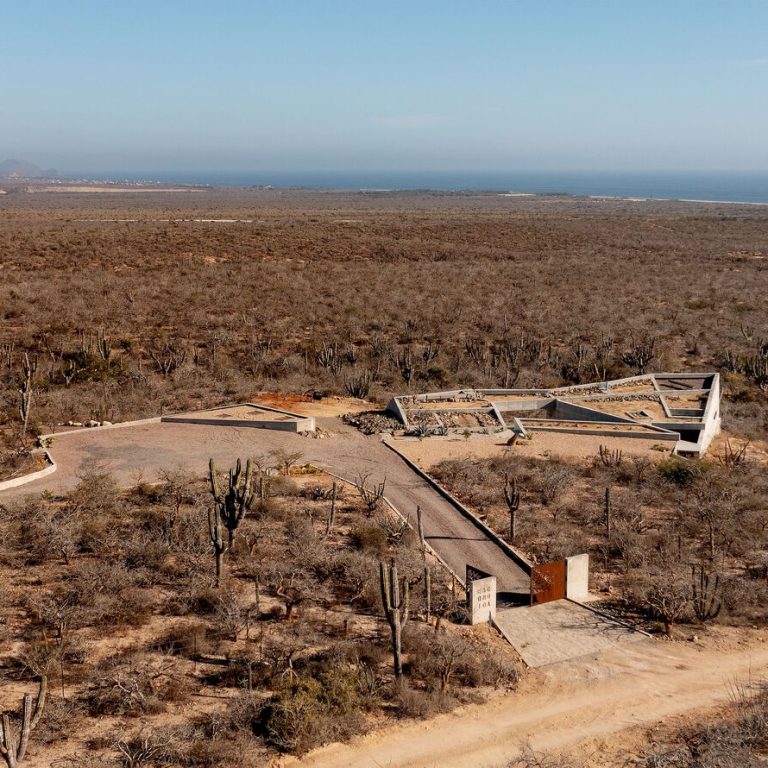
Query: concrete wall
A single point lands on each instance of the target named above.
(575, 412)
(394, 408)
(302, 425)
(577, 430)
(577, 577)
(298, 423)
(522, 405)
(15, 482)
(712, 416)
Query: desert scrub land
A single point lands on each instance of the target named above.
(132, 307)
(113, 309)
(112, 597)
(670, 541)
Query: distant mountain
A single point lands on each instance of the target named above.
(19, 169)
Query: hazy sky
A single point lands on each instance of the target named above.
(384, 84)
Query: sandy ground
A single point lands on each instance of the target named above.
(430, 451)
(306, 406)
(633, 686)
(757, 450)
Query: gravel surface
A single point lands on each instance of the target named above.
(139, 452)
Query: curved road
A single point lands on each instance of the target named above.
(139, 452)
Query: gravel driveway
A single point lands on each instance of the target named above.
(139, 452)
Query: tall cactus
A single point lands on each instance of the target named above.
(12, 750)
(238, 499)
(512, 499)
(26, 391)
(216, 537)
(706, 603)
(332, 512)
(395, 609)
(103, 346)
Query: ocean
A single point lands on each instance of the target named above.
(730, 186)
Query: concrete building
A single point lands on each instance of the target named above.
(679, 408)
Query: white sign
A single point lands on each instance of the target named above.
(481, 596)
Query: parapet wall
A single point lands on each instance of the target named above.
(283, 421)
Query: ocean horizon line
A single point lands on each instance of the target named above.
(742, 187)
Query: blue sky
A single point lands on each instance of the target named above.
(367, 84)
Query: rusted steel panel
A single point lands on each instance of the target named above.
(548, 582)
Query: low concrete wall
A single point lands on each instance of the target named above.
(298, 423)
(305, 425)
(577, 577)
(16, 482)
(575, 412)
(661, 435)
(116, 425)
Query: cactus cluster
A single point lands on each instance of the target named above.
(13, 749)
(229, 508)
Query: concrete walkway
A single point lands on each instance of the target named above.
(139, 453)
(561, 630)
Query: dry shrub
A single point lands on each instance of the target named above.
(745, 600)
(369, 538)
(87, 760)
(96, 495)
(132, 608)
(212, 742)
(418, 704)
(309, 711)
(204, 600)
(738, 739)
(443, 660)
(58, 720)
(183, 639)
(134, 684)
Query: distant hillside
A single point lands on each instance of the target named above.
(22, 169)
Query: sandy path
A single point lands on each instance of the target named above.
(646, 683)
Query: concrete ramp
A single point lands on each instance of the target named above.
(561, 630)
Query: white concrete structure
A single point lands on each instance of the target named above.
(577, 577)
(682, 409)
(246, 415)
(481, 599)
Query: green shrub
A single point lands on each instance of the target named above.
(682, 472)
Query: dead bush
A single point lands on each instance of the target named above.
(58, 721)
(413, 703)
(183, 639)
(133, 685)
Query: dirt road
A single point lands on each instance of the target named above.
(141, 451)
(635, 685)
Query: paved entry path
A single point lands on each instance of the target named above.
(561, 630)
(139, 452)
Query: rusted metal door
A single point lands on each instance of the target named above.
(548, 582)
